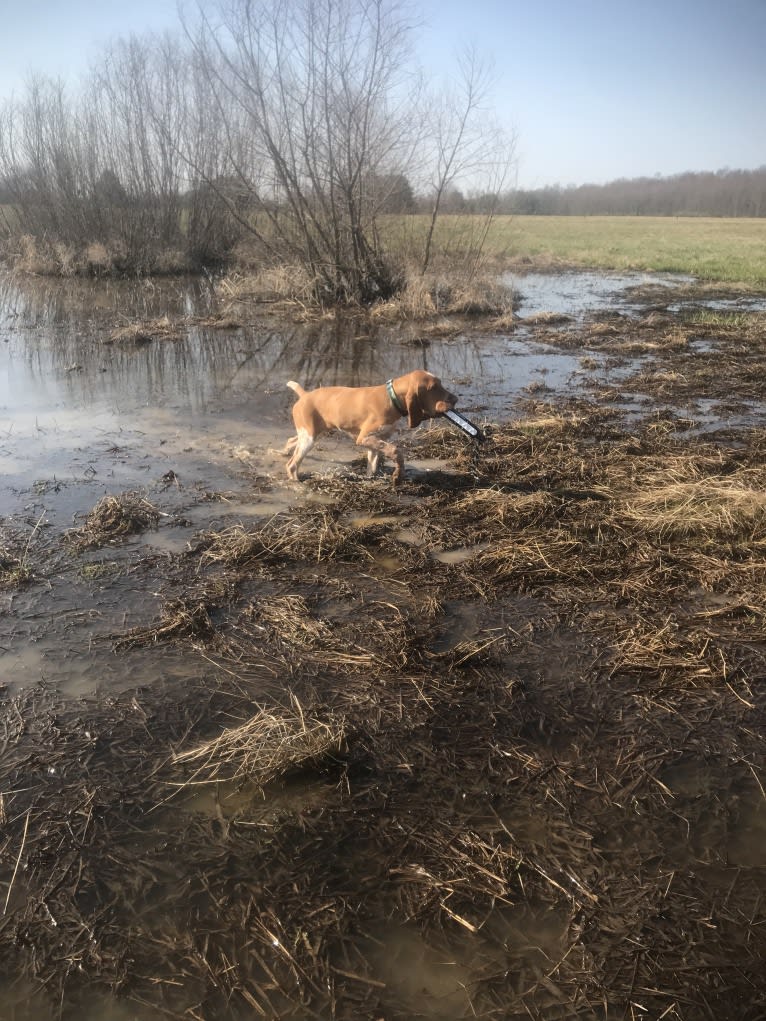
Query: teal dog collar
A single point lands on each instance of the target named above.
(393, 398)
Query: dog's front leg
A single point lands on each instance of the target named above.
(376, 446)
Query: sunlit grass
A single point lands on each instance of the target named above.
(733, 320)
(717, 249)
(730, 250)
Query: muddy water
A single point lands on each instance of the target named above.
(75, 407)
(179, 421)
(577, 293)
(584, 292)
(195, 424)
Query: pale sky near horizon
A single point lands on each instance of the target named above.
(594, 89)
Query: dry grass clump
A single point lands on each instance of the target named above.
(43, 257)
(290, 618)
(710, 507)
(418, 299)
(492, 507)
(238, 545)
(439, 440)
(182, 620)
(666, 650)
(426, 297)
(185, 619)
(480, 296)
(265, 747)
(35, 258)
(98, 259)
(548, 423)
(282, 284)
(113, 518)
(533, 559)
(145, 332)
(316, 535)
(13, 569)
(225, 320)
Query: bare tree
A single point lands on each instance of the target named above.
(297, 123)
(466, 145)
(310, 95)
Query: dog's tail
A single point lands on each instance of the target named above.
(296, 386)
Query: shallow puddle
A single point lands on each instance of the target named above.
(579, 292)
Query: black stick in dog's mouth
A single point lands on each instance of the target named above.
(462, 423)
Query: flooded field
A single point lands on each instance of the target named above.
(489, 745)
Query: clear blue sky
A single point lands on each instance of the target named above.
(595, 89)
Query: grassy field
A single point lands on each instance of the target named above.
(710, 248)
(714, 249)
(731, 250)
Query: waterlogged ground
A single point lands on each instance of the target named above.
(489, 746)
(194, 421)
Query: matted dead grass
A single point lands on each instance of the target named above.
(14, 569)
(728, 507)
(145, 332)
(114, 518)
(540, 761)
(268, 745)
(317, 534)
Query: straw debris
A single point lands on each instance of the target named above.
(705, 508)
(112, 519)
(537, 758)
(145, 332)
(267, 746)
(187, 620)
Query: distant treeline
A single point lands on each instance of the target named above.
(720, 193)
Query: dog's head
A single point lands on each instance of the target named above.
(424, 396)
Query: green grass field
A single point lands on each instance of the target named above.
(713, 249)
(730, 250)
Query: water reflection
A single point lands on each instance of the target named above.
(57, 357)
(578, 292)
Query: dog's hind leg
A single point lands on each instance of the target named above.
(301, 445)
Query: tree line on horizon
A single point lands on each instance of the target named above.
(725, 193)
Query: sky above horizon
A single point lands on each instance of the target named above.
(594, 90)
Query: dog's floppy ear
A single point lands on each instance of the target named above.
(414, 406)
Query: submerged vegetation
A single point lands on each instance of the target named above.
(488, 746)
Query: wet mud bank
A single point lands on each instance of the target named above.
(487, 745)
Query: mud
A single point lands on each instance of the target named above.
(490, 745)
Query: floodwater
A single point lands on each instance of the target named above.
(75, 407)
(581, 293)
(194, 424)
(577, 293)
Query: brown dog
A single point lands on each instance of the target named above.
(369, 414)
